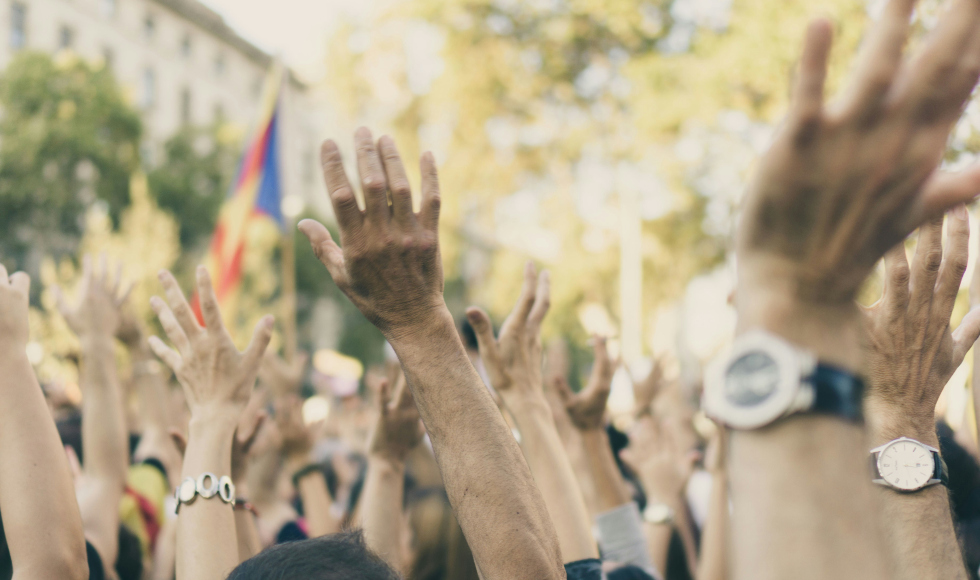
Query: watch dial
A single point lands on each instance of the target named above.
(906, 465)
(751, 379)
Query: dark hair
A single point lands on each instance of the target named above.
(629, 573)
(129, 562)
(340, 556)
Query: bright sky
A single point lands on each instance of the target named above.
(295, 29)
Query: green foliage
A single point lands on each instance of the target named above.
(193, 180)
(68, 139)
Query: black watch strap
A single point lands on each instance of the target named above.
(837, 392)
(942, 473)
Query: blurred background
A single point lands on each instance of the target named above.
(606, 140)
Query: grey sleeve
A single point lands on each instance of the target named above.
(622, 539)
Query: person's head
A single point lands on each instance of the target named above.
(441, 551)
(341, 556)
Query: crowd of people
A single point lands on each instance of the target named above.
(469, 456)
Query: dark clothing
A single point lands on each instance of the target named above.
(584, 570)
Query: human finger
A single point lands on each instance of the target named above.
(165, 353)
(542, 303)
(955, 259)
(518, 316)
(373, 181)
(925, 265)
(966, 335)
(260, 341)
(170, 325)
(483, 330)
(398, 185)
(896, 293)
(431, 199)
(21, 282)
(210, 310)
(945, 190)
(808, 94)
(178, 303)
(325, 249)
(345, 209)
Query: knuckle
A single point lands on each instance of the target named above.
(933, 260)
(374, 183)
(401, 188)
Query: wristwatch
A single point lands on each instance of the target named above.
(765, 378)
(908, 465)
(207, 485)
(658, 513)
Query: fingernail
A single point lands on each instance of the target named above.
(155, 302)
(960, 211)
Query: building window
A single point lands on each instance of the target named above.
(185, 106)
(149, 27)
(108, 8)
(185, 46)
(219, 65)
(66, 38)
(149, 88)
(18, 25)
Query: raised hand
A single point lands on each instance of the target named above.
(661, 464)
(216, 377)
(842, 185)
(587, 408)
(283, 377)
(513, 359)
(646, 390)
(911, 350)
(98, 311)
(388, 263)
(399, 428)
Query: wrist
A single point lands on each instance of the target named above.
(526, 405)
(216, 419)
(386, 463)
(430, 324)
(832, 331)
(886, 423)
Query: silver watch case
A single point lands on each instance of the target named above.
(793, 392)
(877, 452)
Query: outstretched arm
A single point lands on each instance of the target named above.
(217, 381)
(391, 270)
(41, 520)
(513, 362)
(105, 440)
(398, 431)
(618, 523)
(912, 354)
(839, 187)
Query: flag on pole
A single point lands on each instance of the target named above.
(256, 194)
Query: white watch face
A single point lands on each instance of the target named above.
(751, 379)
(906, 465)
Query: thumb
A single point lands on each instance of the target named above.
(483, 330)
(965, 335)
(325, 249)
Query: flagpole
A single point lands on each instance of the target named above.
(289, 295)
(288, 253)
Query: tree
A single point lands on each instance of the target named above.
(193, 180)
(68, 140)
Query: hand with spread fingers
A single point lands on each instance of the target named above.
(839, 187)
(912, 350)
(513, 362)
(388, 261)
(843, 184)
(98, 312)
(398, 431)
(388, 264)
(216, 377)
(587, 408)
(399, 427)
(218, 381)
(513, 359)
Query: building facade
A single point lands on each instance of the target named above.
(179, 63)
